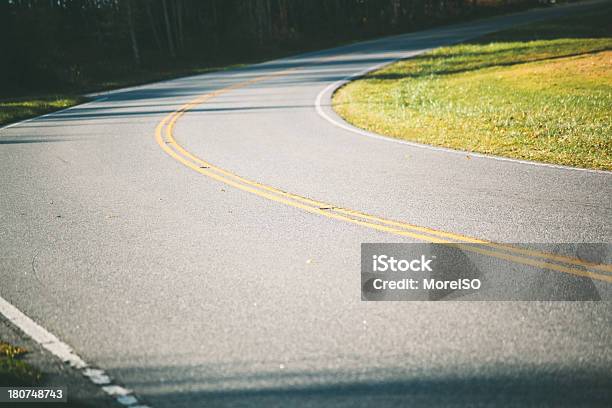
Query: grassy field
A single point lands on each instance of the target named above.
(540, 92)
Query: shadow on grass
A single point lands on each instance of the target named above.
(477, 67)
(590, 25)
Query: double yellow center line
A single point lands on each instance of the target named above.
(165, 138)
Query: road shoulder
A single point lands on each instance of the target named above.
(55, 372)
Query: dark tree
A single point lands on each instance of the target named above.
(61, 42)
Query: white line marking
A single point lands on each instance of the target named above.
(116, 390)
(65, 353)
(40, 335)
(128, 400)
(97, 376)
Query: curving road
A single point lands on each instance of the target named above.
(127, 233)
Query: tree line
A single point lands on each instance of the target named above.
(50, 42)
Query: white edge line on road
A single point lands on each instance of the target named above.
(65, 353)
(329, 90)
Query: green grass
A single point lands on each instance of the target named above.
(540, 92)
(13, 110)
(13, 370)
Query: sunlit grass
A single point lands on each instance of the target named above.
(22, 108)
(13, 370)
(540, 93)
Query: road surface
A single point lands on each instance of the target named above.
(197, 288)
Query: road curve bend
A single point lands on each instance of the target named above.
(199, 240)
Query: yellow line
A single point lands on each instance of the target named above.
(523, 251)
(505, 247)
(352, 216)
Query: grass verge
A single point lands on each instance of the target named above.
(14, 110)
(539, 92)
(13, 370)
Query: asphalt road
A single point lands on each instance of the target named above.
(196, 292)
